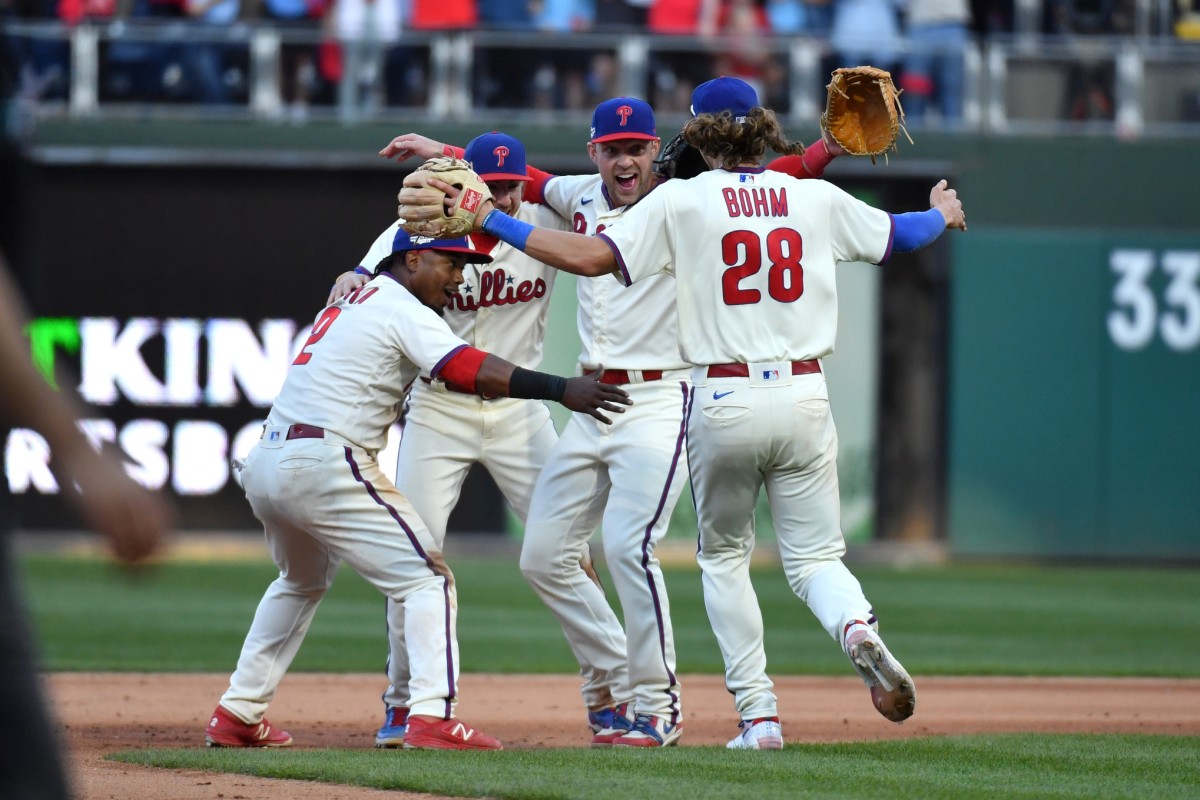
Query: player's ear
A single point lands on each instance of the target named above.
(592, 151)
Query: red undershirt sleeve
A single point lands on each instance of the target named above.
(462, 368)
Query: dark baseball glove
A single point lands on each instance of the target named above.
(679, 160)
(863, 112)
(422, 206)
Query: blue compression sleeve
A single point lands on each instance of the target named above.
(916, 229)
(507, 229)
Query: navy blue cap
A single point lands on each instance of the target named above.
(405, 241)
(497, 156)
(724, 94)
(623, 118)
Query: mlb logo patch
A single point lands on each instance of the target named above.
(770, 375)
(273, 436)
(745, 178)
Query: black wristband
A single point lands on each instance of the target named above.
(533, 385)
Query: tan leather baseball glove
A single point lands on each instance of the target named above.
(422, 206)
(863, 112)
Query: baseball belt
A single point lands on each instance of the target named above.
(743, 370)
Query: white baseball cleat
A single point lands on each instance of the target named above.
(758, 734)
(892, 691)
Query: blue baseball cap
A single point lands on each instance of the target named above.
(724, 94)
(623, 118)
(405, 241)
(497, 156)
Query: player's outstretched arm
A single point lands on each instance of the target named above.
(414, 145)
(491, 375)
(817, 156)
(571, 252)
(582, 255)
(915, 229)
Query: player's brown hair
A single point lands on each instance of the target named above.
(735, 143)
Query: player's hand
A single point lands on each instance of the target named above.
(452, 192)
(132, 518)
(415, 203)
(830, 144)
(587, 394)
(410, 145)
(946, 201)
(346, 283)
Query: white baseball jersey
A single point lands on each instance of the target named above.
(364, 350)
(754, 254)
(755, 251)
(502, 306)
(323, 499)
(621, 328)
(626, 476)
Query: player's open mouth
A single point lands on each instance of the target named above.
(626, 182)
(449, 295)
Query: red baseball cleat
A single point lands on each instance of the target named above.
(226, 730)
(446, 734)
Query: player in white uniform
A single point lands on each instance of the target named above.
(314, 483)
(754, 254)
(501, 307)
(629, 477)
(626, 478)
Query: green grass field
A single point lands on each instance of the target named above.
(961, 620)
(952, 620)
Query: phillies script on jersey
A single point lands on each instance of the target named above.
(497, 289)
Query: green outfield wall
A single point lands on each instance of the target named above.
(1074, 394)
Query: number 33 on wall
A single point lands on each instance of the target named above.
(1136, 316)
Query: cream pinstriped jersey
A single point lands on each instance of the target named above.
(364, 350)
(754, 254)
(502, 306)
(619, 327)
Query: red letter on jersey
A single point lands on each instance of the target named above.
(731, 202)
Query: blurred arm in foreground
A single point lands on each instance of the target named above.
(132, 518)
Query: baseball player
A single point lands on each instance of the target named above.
(314, 483)
(757, 311)
(627, 478)
(502, 308)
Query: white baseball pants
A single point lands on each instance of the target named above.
(321, 502)
(744, 434)
(626, 476)
(445, 433)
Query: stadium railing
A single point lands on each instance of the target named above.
(1143, 85)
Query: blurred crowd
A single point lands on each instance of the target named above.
(353, 51)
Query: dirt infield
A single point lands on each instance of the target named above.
(104, 713)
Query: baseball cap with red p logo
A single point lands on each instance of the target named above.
(623, 118)
(497, 156)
